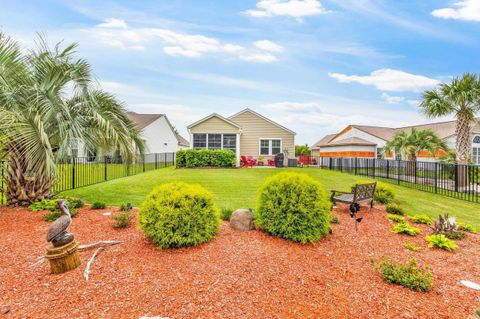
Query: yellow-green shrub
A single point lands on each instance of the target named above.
(178, 215)
(384, 193)
(293, 206)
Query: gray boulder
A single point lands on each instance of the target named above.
(242, 219)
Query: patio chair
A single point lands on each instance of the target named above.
(360, 193)
(245, 162)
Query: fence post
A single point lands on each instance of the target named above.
(398, 172)
(456, 177)
(356, 166)
(330, 164)
(105, 166)
(73, 171)
(374, 168)
(143, 159)
(341, 164)
(388, 169)
(436, 177)
(173, 158)
(156, 160)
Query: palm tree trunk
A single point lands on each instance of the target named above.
(21, 190)
(463, 148)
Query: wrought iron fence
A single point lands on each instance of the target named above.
(454, 180)
(77, 172)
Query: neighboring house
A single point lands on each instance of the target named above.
(246, 133)
(368, 141)
(156, 130)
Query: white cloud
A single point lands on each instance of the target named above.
(468, 10)
(292, 8)
(399, 100)
(292, 106)
(116, 33)
(113, 23)
(225, 81)
(267, 45)
(389, 80)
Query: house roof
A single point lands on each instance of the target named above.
(351, 141)
(324, 141)
(262, 117)
(384, 133)
(143, 120)
(214, 115)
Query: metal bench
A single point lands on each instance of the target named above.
(360, 193)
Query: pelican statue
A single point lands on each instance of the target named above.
(57, 233)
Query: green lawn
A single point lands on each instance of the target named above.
(235, 188)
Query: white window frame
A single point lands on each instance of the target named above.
(221, 141)
(269, 145)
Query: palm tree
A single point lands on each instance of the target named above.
(49, 101)
(461, 98)
(410, 143)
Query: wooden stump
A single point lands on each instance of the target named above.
(63, 258)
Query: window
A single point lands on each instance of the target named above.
(476, 140)
(476, 155)
(199, 141)
(214, 141)
(379, 153)
(270, 146)
(230, 142)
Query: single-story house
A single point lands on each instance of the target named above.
(368, 141)
(246, 133)
(159, 134)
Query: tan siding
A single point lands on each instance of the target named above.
(214, 125)
(316, 152)
(254, 128)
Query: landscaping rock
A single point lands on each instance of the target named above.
(242, 219)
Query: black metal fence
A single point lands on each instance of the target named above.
(454, 180)
(77, 172)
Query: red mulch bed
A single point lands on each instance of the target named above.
(237, 275)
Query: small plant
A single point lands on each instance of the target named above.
(396, 218)
(465, 227)
(447, 226)
(122, 219)
(126, 207)
(405, 228)
(225, 213)
(478, 313)
(440, 241)
(98, 205)
(421, 219)
(44, 204)
(394, 209)
(383, 192)
(334, 219)
(51, 215)
(74, 202)
(409, 275)
(411, 247)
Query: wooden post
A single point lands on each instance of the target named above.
(63, 258)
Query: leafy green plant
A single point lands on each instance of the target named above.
(396, 218)
(293, 206)
(409, 275)
(465, 227)
(125, 207)
(44, 204)
(178, 214)
(74, 202)
(205, 158)
(421, 219)
(98, 205)
(440, 241)
(384, 193)
(51, 215)
(412, 247)
(394, 209)
(122, 219)
(225, 213)
(334, 219)
(405, 228)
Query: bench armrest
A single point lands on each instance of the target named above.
(334, 192)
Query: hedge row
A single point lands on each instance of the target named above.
(205, 158)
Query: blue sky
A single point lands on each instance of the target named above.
(314, 66)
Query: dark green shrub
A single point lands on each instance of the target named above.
(125, 207)
(440, 241)
(394, 209)
(334, 219)
(74, 202)
(225, 213)
(396, 218)
(293, 206)
(122, 219)
(405, 228)
(98, 205)
(421, 219)
(408, 275)
(51, 215)
(384, 193)
(206, 158)
(179, 215)
(44, 204)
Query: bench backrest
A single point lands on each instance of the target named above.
(364, 191)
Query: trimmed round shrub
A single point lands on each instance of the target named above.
(384, 193)
(293, 206)
(179, 215)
